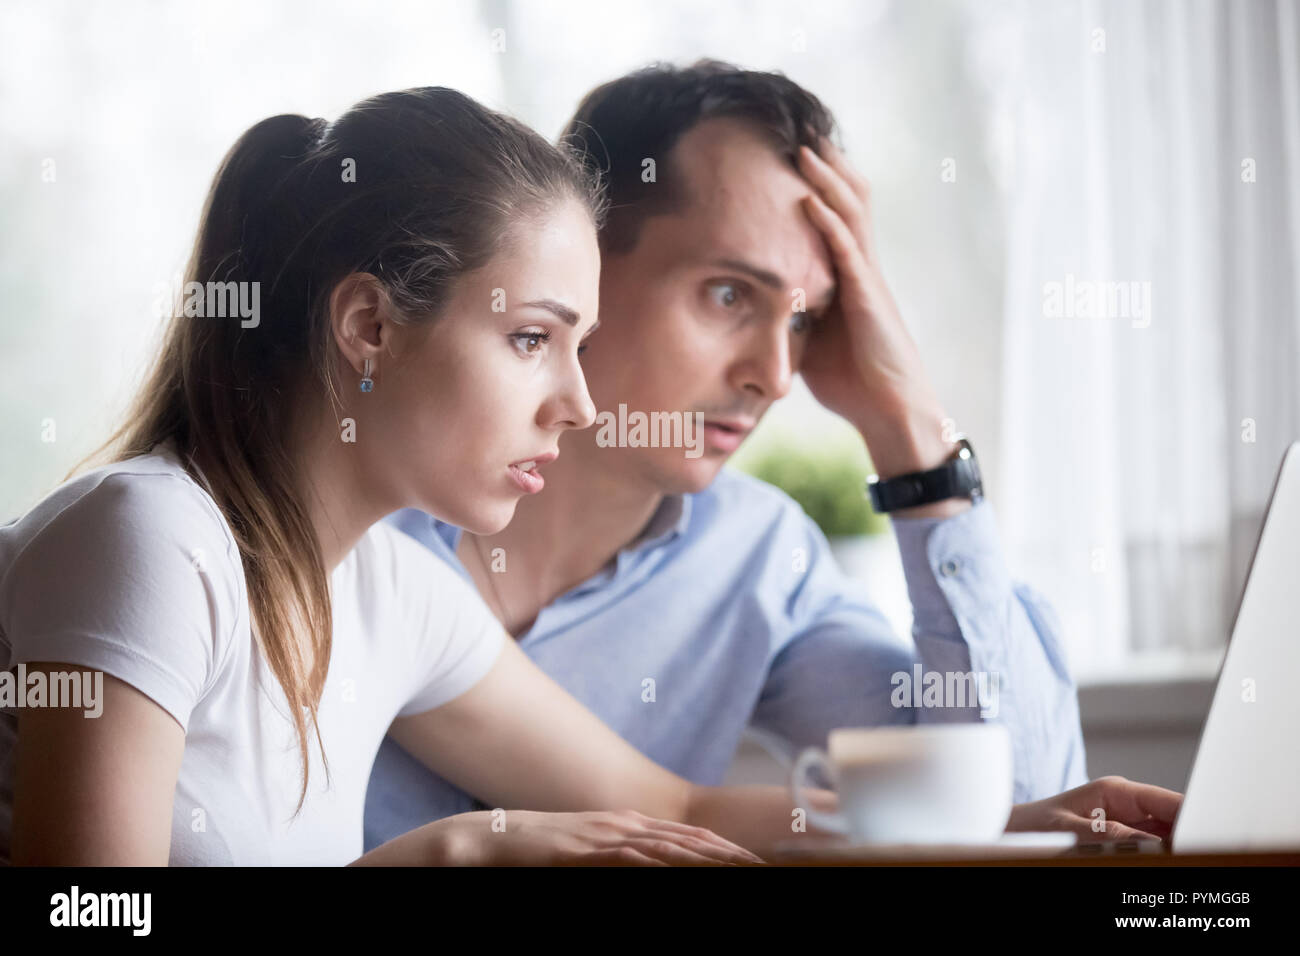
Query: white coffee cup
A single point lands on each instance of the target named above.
(926, 783)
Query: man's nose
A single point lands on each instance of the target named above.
(765, 366)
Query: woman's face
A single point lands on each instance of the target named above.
(493, 382)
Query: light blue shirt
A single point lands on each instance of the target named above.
(732, 605)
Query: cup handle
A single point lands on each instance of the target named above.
(816, 757)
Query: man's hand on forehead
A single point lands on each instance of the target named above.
(861, 362)
(847, 191)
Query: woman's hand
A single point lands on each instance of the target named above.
(1108, 808)
(531, 838)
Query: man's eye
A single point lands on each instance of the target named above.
(725, 294)
(802, 322)
(532, 341)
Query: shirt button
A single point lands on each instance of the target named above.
(950, 568)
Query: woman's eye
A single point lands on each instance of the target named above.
(531, 341)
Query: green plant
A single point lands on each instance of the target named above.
(829, 485)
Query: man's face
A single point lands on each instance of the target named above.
(700, 315)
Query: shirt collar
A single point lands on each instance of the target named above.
(449, 533)
(669, 521)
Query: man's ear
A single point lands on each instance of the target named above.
(361, 321)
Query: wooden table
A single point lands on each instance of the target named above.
(1024, 856)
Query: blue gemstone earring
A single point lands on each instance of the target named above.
(367, 383)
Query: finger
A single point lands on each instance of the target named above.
(720, 849)
(850, 261)
(1135, 802)
(702, 833)
(618, 856)
(662, 848)
(837, 193)
(1121, 831)
(1155, 827)
(676, 826)
(839, 161)
(1114, 831)
(696, 838)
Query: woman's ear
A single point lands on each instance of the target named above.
(361, 321)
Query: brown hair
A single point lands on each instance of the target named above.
(439, 184)
(642, 115)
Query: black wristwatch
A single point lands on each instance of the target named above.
(959, 477)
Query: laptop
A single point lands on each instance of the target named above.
(1244, 790)
(1243, 794)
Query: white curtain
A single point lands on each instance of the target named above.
(1159, 143)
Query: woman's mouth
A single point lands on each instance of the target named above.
(526, 477)
(525, 473)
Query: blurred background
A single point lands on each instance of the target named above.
(1019, 152)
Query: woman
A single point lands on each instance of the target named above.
(415, 283)
(423, 272)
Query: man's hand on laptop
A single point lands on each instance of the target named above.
(1108, 808)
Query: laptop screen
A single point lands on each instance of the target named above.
(1244, 789)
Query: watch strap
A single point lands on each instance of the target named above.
(959, 477)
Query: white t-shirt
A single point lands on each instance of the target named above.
(131, 569)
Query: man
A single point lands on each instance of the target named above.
(680, 602)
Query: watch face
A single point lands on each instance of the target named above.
(959, 477)
(972, 467)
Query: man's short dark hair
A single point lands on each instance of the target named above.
(642, 115)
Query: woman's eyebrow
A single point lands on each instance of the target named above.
(559, 309)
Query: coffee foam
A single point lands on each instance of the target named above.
(875, 744)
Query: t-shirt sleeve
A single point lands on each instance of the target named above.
(134, 578)
(455, 638)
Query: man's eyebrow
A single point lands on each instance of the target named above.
(767, 278)
(828, 299)
(559, 309)
(764, 276)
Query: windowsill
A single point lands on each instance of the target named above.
(1149, 692)
(1155, 667)
(1142, 720)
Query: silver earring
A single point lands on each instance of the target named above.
(367, 383)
